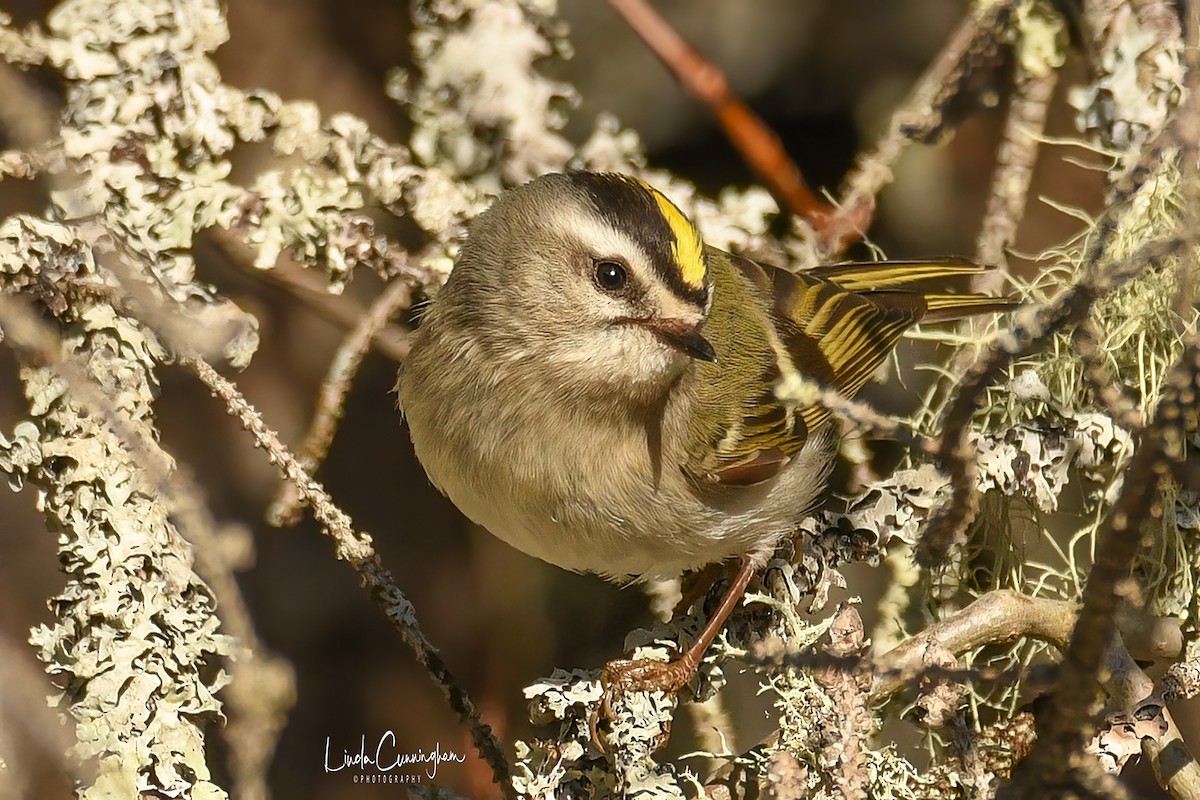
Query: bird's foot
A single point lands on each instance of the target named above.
(646, 675)
(625, 676)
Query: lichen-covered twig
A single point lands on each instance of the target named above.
(262, 689)
(1138, 48)
(355, 548)
(1033, 87)
(258, 701)
(1068, 725)
(100, 470)
(1181, 681)
(1119, 404)
(848, 685)
(397, 295)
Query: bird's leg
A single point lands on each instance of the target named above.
(644, 675)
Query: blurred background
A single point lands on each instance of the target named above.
(825, 75)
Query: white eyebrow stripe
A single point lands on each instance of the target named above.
(604, 241)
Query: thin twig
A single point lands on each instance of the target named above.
(285, 511)
(1023, 126)
(757, 143)
(1005, 616)
(1120, 406)
(799, 391)
(867, 418)
(357, 549)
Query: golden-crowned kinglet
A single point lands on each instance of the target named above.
(596, 386)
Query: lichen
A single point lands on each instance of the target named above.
(1044, 429)
(1138, 81)
(135, 637)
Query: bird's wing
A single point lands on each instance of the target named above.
(830, 334)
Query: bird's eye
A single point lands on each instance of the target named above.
(611, 276)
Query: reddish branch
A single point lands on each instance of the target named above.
(757, 143)
(971, 49)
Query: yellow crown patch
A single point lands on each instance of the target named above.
(688, 249)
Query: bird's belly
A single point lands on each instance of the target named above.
(652, 534)
(607, 509)
(611, 521)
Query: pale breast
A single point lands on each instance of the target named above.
(576, 489)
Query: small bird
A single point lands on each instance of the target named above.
(596, 386)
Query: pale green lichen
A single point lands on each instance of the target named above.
(1043, 430)
(1139, 77)
(135, 630)
(569, 762)
(20, 453)
(507, 115)
(1041, 37)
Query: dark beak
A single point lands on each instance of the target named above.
(683, 337)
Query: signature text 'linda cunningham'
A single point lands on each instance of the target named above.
(384, 757)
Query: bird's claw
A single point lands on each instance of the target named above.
(634, 675)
